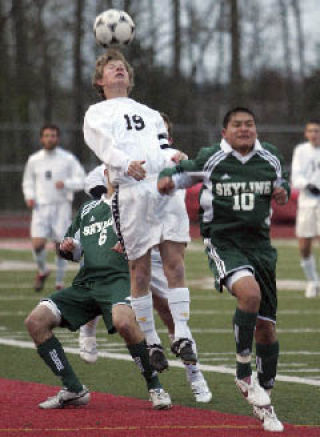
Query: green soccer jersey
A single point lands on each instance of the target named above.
(92, 227)
(235, 200)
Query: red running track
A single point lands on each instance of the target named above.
(118, 416)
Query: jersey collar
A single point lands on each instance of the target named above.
(226, 147)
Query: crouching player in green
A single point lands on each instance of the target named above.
(240, 177)
(102, 286)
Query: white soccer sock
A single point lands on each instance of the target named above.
(40, 258)
(61, 265)
(193, 372)
(179, 304)
(143, 309)
(309, 267)
(90, 328)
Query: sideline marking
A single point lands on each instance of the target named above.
(126, 357)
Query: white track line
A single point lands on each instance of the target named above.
(126, 357)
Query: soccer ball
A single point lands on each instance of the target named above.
(113, 27)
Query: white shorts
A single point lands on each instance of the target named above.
(144, 218)
(51, 221)
(308, 222)
(158, 283)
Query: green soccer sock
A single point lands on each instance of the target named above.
(243, 325)
(266, 360)
(140, 356)
(53, 355)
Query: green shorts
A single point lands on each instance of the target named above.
(79, 304)
(224, 260)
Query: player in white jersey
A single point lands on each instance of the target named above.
(306, 178)
(95, 187)
(127, 136)
(50, 178)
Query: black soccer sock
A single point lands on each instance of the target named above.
(53, 355)
(140, 356)
(266, 360)
(243, 325)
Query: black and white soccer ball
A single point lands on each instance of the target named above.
(113, 28)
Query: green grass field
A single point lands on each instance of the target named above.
(296, 400)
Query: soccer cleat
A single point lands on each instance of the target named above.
(201, 391)
(64, 398)
(182, 348)
(268, 417)
(160, 399)
(40, 280)
(157, 357)
(253, 392)
(88, 349)
(312, 290)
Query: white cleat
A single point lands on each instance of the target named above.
(88, 349)
(64, 398)
(201, 391)
(160, 399)
(268, 417)
(253, 392)
(312, 290)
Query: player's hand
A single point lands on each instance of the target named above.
(280, 195)
(67, 245)
(165, 185)
(179, 156)
(117, 247)
(30, 203)
(59, 185)
(136, 170)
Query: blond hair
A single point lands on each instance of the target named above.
(102, 61)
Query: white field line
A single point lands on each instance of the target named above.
(14, 265)
(127, 357)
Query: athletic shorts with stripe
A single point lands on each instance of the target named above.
(261, 261)
(81, 303)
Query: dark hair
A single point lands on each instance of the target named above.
(50, 126)
(235, 110)
(167, 120)
(313, 121)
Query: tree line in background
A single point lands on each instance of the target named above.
(193, 59)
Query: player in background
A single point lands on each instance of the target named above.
(305, 177)
(240, 177)
(102, 286)
(128, 137)
(50, 178)
(94, 185)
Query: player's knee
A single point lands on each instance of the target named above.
(174, 272)
(35, 325)
(251, 298)
(265, 332)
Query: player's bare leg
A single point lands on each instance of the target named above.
(40, 257)
(125, 322)
(309, 267)
(172, 255)
(247, 291)
(141, 301)
(40, 324)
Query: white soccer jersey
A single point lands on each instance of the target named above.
(306, 170)
(121, 130)
(44, 168)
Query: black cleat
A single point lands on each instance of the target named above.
(182, 348)
(157, 357)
